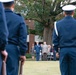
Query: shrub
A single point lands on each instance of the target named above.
(28, 55)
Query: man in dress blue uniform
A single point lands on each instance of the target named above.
(3, 35)
(64, 37)
(17, 45)
(37, 49)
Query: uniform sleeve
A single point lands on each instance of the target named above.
(23, 37)
(55, 40)
(3, 29)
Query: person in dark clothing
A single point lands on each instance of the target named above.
(32, 52)
(37, 49)
(17, 45)
(53, 53)
(3, 35)
(64, 38)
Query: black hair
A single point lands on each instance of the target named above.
(8, 4)
(69, 12)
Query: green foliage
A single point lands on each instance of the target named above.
(43, 12)
(28, 55)
(39, 29)
(31, 31)
(75, 14)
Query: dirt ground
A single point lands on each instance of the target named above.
(41, 68)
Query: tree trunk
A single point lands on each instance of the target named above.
(47, 35)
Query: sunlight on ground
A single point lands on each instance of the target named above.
(41, 68)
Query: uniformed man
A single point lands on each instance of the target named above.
(17, 44)
(64, 37)
(37, 49)
(3, 35)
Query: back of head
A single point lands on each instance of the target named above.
(7, 3)
(68, 9)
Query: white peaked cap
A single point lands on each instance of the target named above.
(5, 1)
(68, 8)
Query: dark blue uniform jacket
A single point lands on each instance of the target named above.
(66, 37)
(37, 48)
(3, 29)
(17, 30)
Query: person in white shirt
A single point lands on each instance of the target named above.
(44, 51)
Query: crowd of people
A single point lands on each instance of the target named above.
(43, 52)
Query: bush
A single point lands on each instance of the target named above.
(28, 55)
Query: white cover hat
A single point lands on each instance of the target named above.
(68, 8)
(5, 1)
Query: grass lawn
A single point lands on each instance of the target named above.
(41, 68)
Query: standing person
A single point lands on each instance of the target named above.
(3, 35)
(32, 52)
(17, 44)
(44, 51)
(37, 49)
(49, 53)
(53, 53)
(64, 37)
